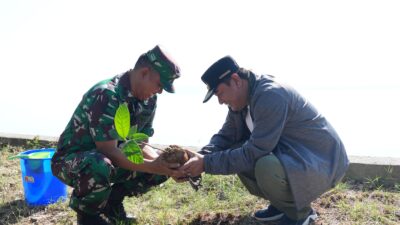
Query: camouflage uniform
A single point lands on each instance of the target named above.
(77, 162)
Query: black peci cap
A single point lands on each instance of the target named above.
(216, 73)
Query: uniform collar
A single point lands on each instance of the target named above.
(124, 90)
(124, 86)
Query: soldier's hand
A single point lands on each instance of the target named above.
(169, 169)
(149, 152)
(159, 160)
(193, 167)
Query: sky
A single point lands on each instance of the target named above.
(341, 55)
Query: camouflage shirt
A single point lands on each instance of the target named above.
(93, 119)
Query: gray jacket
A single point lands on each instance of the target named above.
(287, 125)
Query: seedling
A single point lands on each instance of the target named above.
(176, 154)
(131, 148)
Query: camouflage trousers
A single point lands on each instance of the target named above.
(92, 176)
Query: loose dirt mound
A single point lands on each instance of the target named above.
(175, 154)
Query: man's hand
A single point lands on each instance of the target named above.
(170, 169)
(195, 165)
(149, 152)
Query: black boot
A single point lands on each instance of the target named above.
(86, 219)
(114, 210)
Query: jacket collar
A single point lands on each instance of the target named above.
(253, 78)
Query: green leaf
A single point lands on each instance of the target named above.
(133, 152)
(139, 137)
(132, 131)
(136, 158)
(122, 121)
(130, 147)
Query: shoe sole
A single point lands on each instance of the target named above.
(272, 218)
(312, 217)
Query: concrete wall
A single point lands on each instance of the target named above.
(23, 140)
(380, 170)
(384, 170)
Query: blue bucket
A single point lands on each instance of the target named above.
(40, 186)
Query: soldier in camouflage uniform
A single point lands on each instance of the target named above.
(88, 158)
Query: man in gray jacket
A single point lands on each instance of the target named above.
(280, 146)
